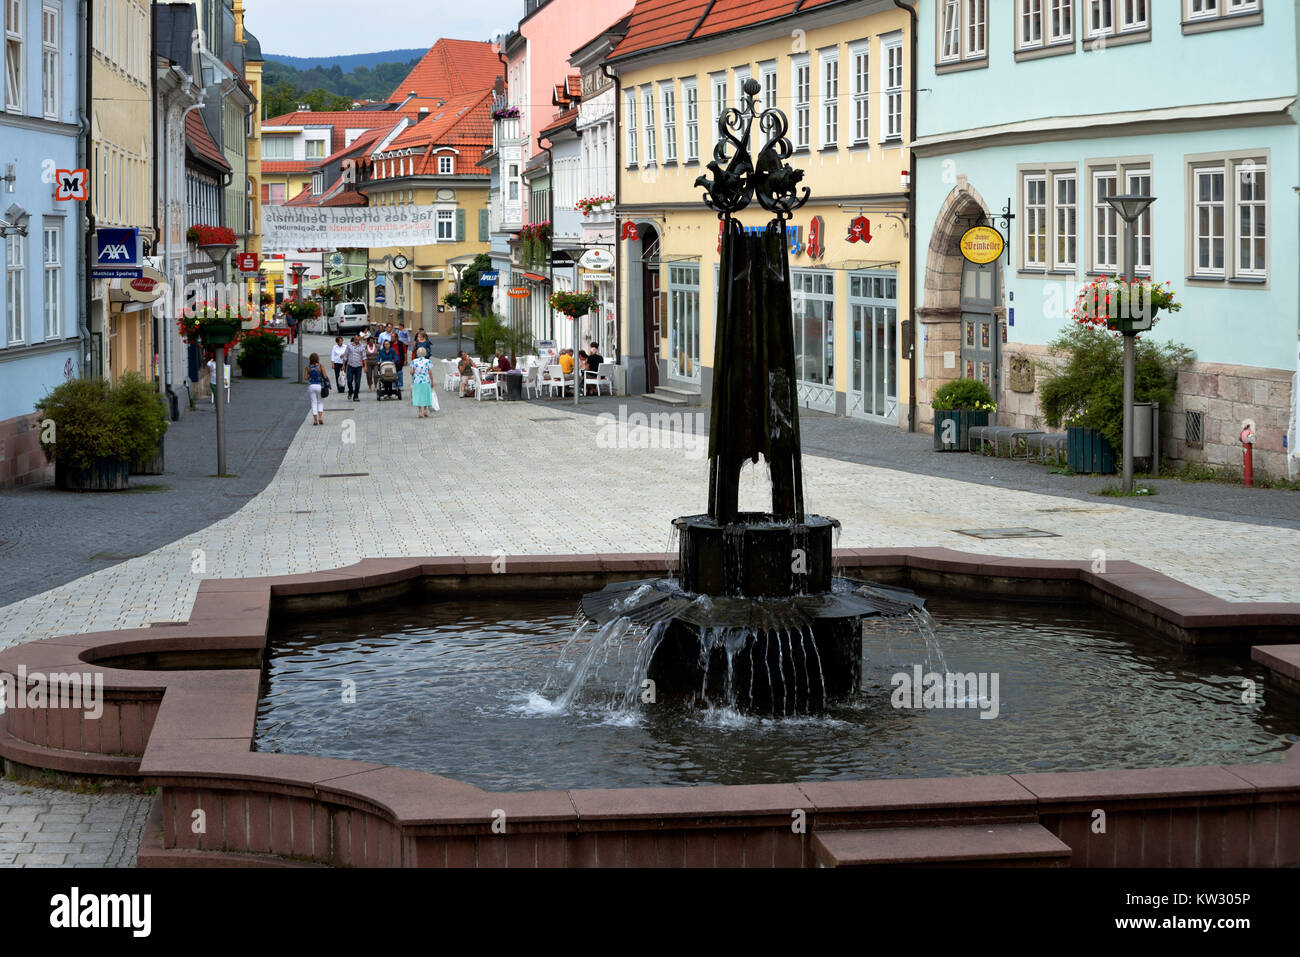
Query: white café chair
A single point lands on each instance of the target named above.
(532, 379)
(450, 376)
(556, 379)
(604, 375)
(481, 385)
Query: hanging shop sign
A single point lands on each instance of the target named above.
(597, 260)
(816, 240)
(982, 245)
(629, 232)
(517, 292)
(147, 287)
(71, 185)
(489, 277)
(117, 253)
(246, 262)
(859, 230)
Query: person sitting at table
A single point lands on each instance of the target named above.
(466, 369)
(566, 362)
(503, 363)
(594, 358)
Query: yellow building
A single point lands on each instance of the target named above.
(841, 76)
(433, 163)
(121, 177)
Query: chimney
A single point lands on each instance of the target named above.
(424, 111)
(304, 107)
(409, 96)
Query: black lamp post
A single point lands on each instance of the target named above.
(460, 268)
(298, 269)
(1130, 207)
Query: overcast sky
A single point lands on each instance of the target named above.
(334, 27)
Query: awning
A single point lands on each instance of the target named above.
(853, 265)
(535, 277)
(350, 275)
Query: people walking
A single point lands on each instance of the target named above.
(291, 321)
(355, 360)
(400, 348)
(372, 363)
(422, 394)
(315, 383)
(336, 357)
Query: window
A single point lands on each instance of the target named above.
(768, 73)
(963, 32)
(315, 149)
(1100, 21)
(950, 30)
(860, 54)
(1035, 245)
(1105, 223)
(1218, 9)
(512, 193)
(1065, 222)
(445, 220)
(14, 55)
(276, 193)
(669, 97)
(1252, 241)
(830, 98)
(742, 74)
(50, 62)
(629, 121)
(1132, 15)
(719, 85)
(53, 257)
(1138, 182)
(648, 100)
(801, 80)
(446, 165)
(893, 50)
(1030, 33)
(15, 304)
(684, 321)
(692, 97)
(1209, 212)
(813, 295)
(1060, 21)
(277, 147)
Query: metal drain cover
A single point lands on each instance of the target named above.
(559, 419)
(345, 475)
(1018, 532)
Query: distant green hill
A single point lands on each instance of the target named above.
(348, 62)
(330, 85)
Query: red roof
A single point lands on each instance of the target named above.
(200, 140)
(657, 23)
(304, 198)
(450, 68)
(359, 145)
(348, 198)
(338, 122)
(284, 166)
(464, 122)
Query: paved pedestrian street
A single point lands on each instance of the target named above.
(539, 478)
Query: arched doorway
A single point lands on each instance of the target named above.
(650, 304)
(962, 304)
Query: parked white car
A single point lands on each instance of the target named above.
(348, 318)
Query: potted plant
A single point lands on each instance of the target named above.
(261, 355)
(506, 113)
(575, 305)
(300, 309)
(91, 442)
(958, 406)
(216, 241)
(536, 239)
(1086, 392)
(145, 417)
(1123, 305)
(212, 324)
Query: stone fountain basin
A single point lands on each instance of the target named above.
(189, 733)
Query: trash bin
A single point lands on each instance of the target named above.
(514, 384)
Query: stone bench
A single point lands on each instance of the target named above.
(987, 845)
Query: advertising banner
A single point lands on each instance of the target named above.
(286, 228)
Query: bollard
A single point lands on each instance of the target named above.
(1247, 457)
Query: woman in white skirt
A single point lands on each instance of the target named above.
(315, 384)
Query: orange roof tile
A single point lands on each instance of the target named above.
(575, 86)
(201, 142)
(657, 23)
(464, 122)
(284, 166)
(304, 198)
(450, 68)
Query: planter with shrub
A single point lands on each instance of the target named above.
(959, 406)
(261, 355)
(93, 438)
(145, 417)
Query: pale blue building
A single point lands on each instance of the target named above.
(1039, 109)
(43, 338)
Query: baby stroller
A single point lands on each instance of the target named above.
(388, 387)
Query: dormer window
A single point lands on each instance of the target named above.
(445, 165)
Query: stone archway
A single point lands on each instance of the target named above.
(940, 314)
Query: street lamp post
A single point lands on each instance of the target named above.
(261, 294)
(298, 269)
(1130, 207)
(460, 316)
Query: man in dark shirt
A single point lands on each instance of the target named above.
(594, 358)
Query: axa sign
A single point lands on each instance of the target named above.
(117, 247)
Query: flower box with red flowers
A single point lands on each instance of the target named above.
(1124, 305)
(202, 235)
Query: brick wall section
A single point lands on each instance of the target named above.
(1224, 394)
(21, 460)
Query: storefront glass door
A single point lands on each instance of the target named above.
(813, 295)
(873, 375)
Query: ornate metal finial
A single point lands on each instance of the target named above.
(737, 181)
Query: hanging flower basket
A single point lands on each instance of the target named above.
(575, 305)
(301, 309)
(213, 325)
(1124, 306)
(506, 113)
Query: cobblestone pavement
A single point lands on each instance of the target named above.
(44, 827)
(538, 477)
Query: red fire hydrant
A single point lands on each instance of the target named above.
(1247, 457)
